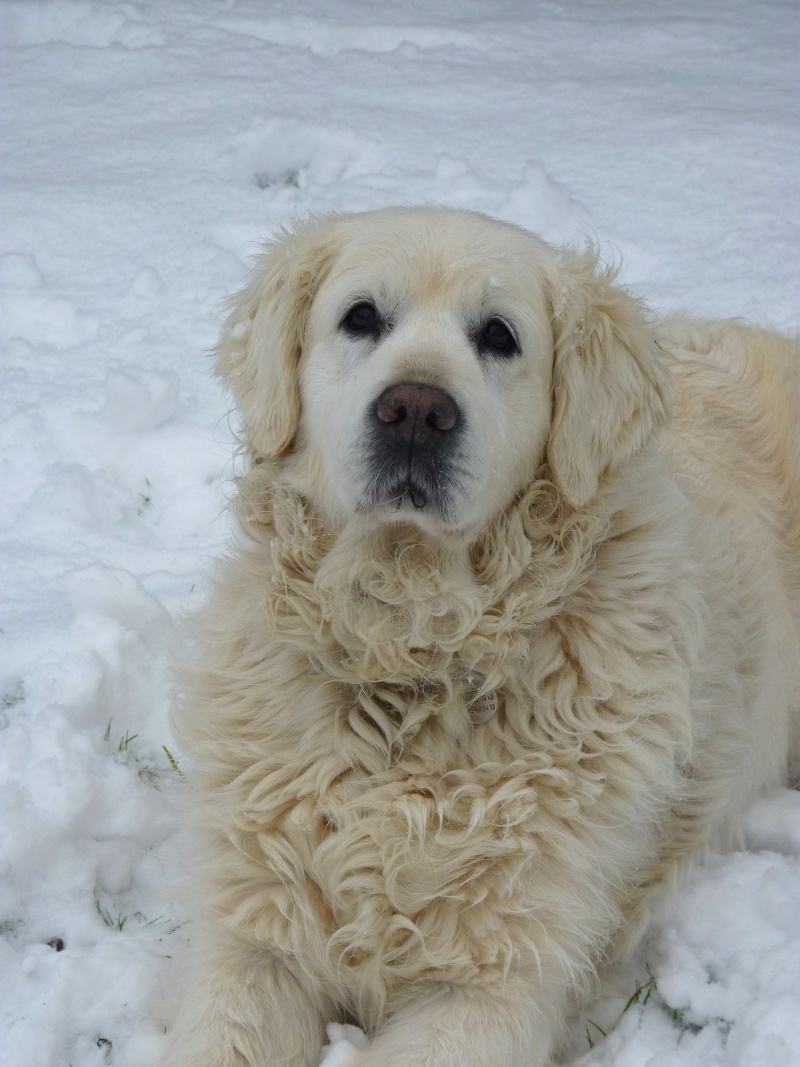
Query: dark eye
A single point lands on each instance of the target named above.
(363, 319)
(496, 339)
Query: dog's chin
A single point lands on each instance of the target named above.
(412, 504)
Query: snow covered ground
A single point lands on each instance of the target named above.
(147, 148)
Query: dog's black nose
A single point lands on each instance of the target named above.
(416, 411)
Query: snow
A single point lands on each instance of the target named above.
(148, 148)
(345, 1040)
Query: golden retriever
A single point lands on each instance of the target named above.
(511, 631)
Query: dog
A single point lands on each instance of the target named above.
(511, 632)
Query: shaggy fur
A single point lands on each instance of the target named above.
(439, 758)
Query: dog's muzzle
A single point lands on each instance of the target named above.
(414, 434)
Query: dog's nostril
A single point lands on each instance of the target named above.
(418, 403)
(391, 413)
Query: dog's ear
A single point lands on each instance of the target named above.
(610, 385)
(261, 344)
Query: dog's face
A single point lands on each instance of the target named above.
(425, 377)
(415, 365)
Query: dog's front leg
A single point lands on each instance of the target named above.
(245, 1009)
(504, 1025)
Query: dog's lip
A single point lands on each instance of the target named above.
(415, 495)
(397, 492)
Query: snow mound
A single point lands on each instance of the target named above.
(149, 149)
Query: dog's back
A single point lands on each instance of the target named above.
(737, 404)
(737, 408)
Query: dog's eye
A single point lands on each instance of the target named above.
(496, 339)
(363, 319)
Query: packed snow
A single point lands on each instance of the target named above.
(148, 148)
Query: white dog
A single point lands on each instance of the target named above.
(512, 630)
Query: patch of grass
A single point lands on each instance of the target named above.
(114, 922)
(647, 989)
(146, 769)
(125, 741)
(640, 995)
(172, 761)
(600, 1030)
(144, 921)
(118, 920)
(144, 497)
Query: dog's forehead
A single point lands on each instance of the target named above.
(432, 253)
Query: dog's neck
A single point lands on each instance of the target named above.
(389, 610)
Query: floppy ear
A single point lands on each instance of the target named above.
(610, 385)
(259, 351)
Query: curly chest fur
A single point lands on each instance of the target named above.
(383, 833)
(414, 871)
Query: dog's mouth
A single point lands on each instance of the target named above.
(415, 495)
(420, 488)
(412, 485)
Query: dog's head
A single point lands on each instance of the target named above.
(420, 365)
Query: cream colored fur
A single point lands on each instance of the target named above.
(618, 583)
